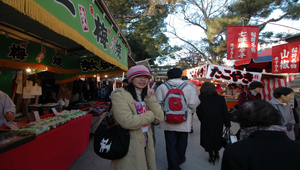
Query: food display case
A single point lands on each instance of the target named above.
(55, 149)
(10, 139)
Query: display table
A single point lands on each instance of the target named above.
(55, 149)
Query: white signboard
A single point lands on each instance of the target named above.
(36, 115)
(232, 75)
(54, 111)
(197, 72)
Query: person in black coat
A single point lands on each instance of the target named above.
(265, 144)
(213, 114)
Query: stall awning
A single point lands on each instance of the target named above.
(264, 61)
(76, 28)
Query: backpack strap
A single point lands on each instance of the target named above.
(182, 85)
(168, 85)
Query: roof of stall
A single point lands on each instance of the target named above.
(50, 24)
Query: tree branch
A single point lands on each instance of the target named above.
(187, 42)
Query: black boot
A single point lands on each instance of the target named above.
(217, 156)
(212, 158)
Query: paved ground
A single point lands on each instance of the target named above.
(196, 157)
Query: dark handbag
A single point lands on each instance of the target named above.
(233, 113)
(111, 141)
(227, 137)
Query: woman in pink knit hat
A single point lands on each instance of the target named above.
(135, 107)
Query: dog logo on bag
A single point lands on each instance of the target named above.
(104, 145)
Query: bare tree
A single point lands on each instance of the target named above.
(201, 13)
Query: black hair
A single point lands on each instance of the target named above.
(282, 91)
(174, 73)
(131, 89)
(125, 81)
(258, 113)
(184, 78)
(208, 89)
(233, 85)
(159, 83)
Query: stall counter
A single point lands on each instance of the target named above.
(231, 102)
(56, 149)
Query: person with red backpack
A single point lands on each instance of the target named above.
(178, 100)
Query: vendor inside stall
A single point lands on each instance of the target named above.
(7, 108)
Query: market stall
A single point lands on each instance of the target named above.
(78, 40)
(224, 76)
(274, 75)
(65, 42)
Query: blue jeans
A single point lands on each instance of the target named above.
(176, 144)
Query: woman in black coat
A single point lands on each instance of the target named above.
(213, 114)
(265, 144)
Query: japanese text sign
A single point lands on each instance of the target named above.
(88, 25)
(242, 42)
(198, 72)
(232, 75)
(285, 58)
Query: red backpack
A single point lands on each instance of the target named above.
(175, 106)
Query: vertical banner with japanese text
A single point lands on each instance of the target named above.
(242, 42)
(231, 75)
(285, 58)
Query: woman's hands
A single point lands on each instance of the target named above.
(150, 92)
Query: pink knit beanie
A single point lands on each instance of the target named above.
(137, 71)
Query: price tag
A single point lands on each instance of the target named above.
(36, 115)
(54, 111)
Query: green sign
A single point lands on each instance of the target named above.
(89, 67)
(21, 55)
(18, 54)
(86, 18)
(81, 21)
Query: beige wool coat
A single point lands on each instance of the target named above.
(125, 113)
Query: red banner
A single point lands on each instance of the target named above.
(242, 42)
(285, 58)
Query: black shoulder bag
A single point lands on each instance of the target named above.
(111, 141)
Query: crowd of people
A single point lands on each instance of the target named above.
(258, 119)
(266, 135)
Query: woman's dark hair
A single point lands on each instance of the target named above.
(158, 83)
(131, 89)
(258, 113)
(233, 85)
(282, 91)
(208, 89)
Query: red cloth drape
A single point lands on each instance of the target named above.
(56, 149)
